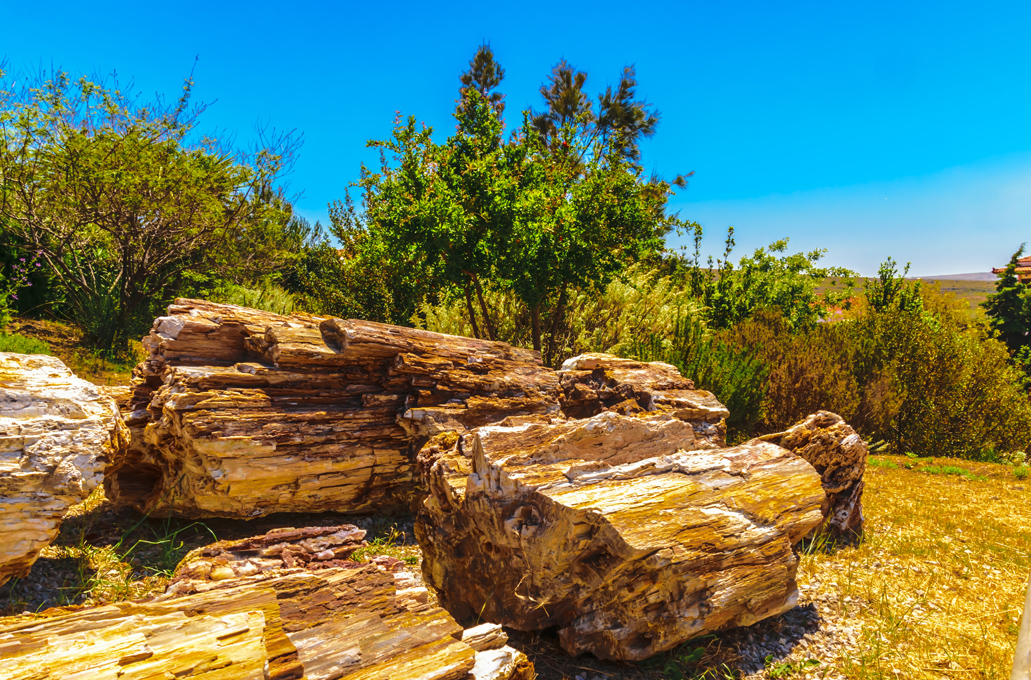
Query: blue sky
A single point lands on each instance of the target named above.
(869, 129)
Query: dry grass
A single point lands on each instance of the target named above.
(937, 585)
(65, 341)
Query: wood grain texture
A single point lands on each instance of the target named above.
(282, 606)
(613, 529)
(839, 455)
(58, 433)
(241, 413)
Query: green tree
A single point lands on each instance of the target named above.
(123, 202)
(560, 205)
(1009, 308)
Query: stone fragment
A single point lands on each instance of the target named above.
(613, 529)
(310, 548)
(57, 435)
(241, 413)
(839, 454)
(592, 383)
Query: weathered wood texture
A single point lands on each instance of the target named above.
(57, 435)
(280, 606)
(240, 413)
(613, 529)
(592, 383)
(839, 454)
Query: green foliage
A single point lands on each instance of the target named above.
(121, 202)
(808, 370)
(769, 279)
(19, 344)
(641, 304)
(1021, 471)
(269, 297)
(930, 384)
(557, 210)
(1009, 313)
(787, 669)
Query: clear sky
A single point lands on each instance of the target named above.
(869, 129)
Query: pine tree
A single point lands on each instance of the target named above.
(484, 76)
(1009, 308)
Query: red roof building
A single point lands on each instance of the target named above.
(1023, 269)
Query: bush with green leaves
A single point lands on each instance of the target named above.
(640, 304)
(122, 200)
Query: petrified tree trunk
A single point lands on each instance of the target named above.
(238, 413)
(282, 606)
(613, 529)
(57, 434)
(831, 446)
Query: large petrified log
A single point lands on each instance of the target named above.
(57, 434)
(239, 413)
(613, 529)
(839, 454)
(238, 610)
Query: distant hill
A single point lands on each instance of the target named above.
(974, 276)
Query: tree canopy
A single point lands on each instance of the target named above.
(561, 204)
(121, 199)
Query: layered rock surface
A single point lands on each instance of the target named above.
(839, 454)
(239, 413)
(237, 610)
(632, 534)
(57, 435)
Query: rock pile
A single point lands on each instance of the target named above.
(57, 435)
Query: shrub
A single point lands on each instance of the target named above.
(642, 304)
(268, 297)
(808, 371)
(929, 383)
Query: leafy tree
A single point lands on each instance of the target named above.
(560, 205)
(1009, 308)
(123, 203)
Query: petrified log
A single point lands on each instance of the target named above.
(347, 619)
(239, 413)
(613, 529)
(237, 610)
(233, 634)
(57, 434)
(592, 383)
(839, 454)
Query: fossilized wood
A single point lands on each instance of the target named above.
(613, 530)
(282, 606)
(839, 454)
(592, 383)
(57, 434)
(236, 634)
(239, 413)
(311, 548)
(349, 620)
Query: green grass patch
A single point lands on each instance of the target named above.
(20, 344)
